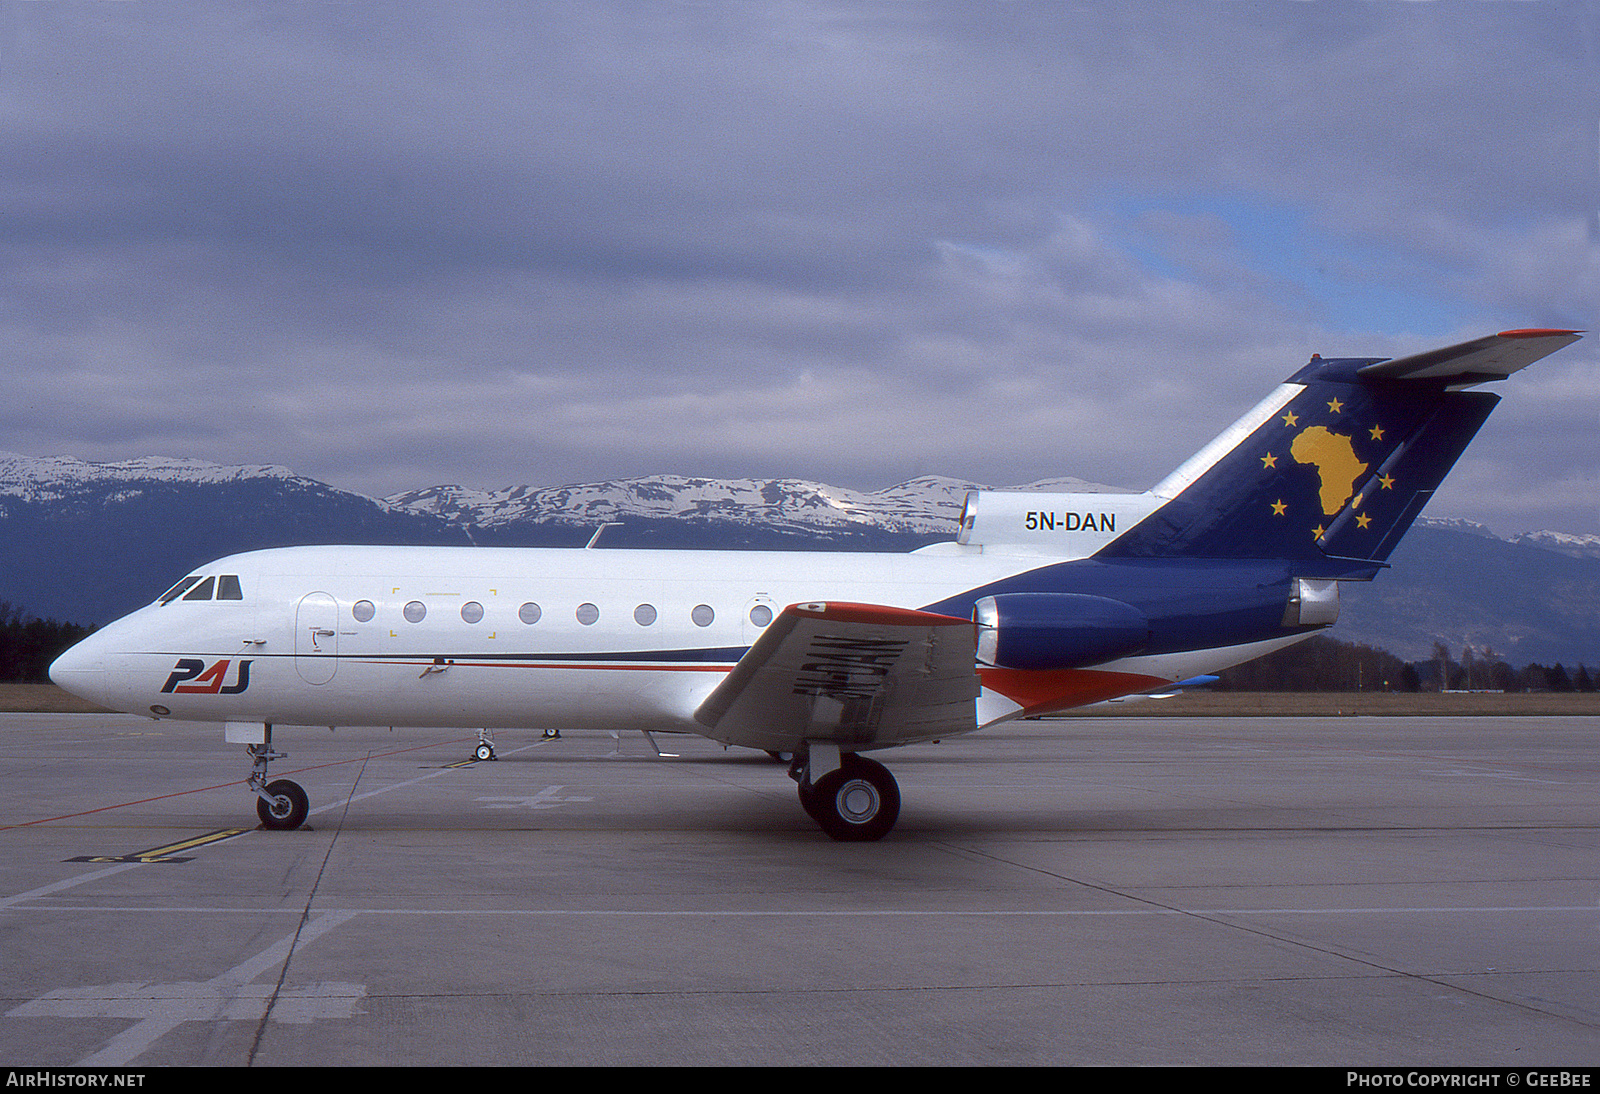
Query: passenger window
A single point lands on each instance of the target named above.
(529, 613)
(363, 611)
(644, 615)
(471, 611)
(761, 615)
(202, 591)
(415, 611)
(702, 615)
(588, 614)
(228, 587)
(177, 590)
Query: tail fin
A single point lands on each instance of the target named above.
(1338, 461)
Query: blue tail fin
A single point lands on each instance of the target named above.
(1336, 463)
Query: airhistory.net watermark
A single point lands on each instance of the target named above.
(21, 1078)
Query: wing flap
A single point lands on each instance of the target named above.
(861, 675)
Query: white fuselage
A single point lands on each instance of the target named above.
(620, 639)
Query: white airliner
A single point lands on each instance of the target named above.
(1043, 602)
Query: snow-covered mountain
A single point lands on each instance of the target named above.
(67, 479)
(928, 506)
(1566, 543)
(86, 542)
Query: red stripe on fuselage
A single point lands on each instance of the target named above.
(606, 666)
(1037, 691)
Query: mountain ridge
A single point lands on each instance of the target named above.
(84, 542)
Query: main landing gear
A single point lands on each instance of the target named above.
(857, 802)
(281, 804)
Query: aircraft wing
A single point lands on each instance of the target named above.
(1482, 359)
(860, 675)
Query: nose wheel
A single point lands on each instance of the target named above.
(283, 805)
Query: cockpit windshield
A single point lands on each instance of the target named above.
(202, 591)
(177, 590)
(200, 587)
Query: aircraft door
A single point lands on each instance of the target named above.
(316, 638)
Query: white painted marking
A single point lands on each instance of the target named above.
(340, 803)
(67, 883)
(1478, 773)
(835, 913)
(548, 798)
(157, 1009)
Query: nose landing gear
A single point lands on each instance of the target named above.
(281, 804)
(485, 750)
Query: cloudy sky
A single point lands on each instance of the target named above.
(397, 245)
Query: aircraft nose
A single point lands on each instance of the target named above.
(82, 670)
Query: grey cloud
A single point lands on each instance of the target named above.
(391, 246)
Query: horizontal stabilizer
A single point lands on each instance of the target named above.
(860, 675)
(1491, 358)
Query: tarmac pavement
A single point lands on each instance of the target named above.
(1355, 891)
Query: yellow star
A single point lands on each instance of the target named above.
(1362, 520)
(1316, 533)
(1376, 433)
(1336, 406)
(1279, 508)
(1386, 482)
(1291, 418)
(1269, 460)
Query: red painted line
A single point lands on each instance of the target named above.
(224, 786)
(608, 666)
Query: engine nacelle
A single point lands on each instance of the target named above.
(1312, 603)
(1056, 630)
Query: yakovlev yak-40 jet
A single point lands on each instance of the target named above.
(1043, 602)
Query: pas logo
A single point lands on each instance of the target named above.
(206, 681)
